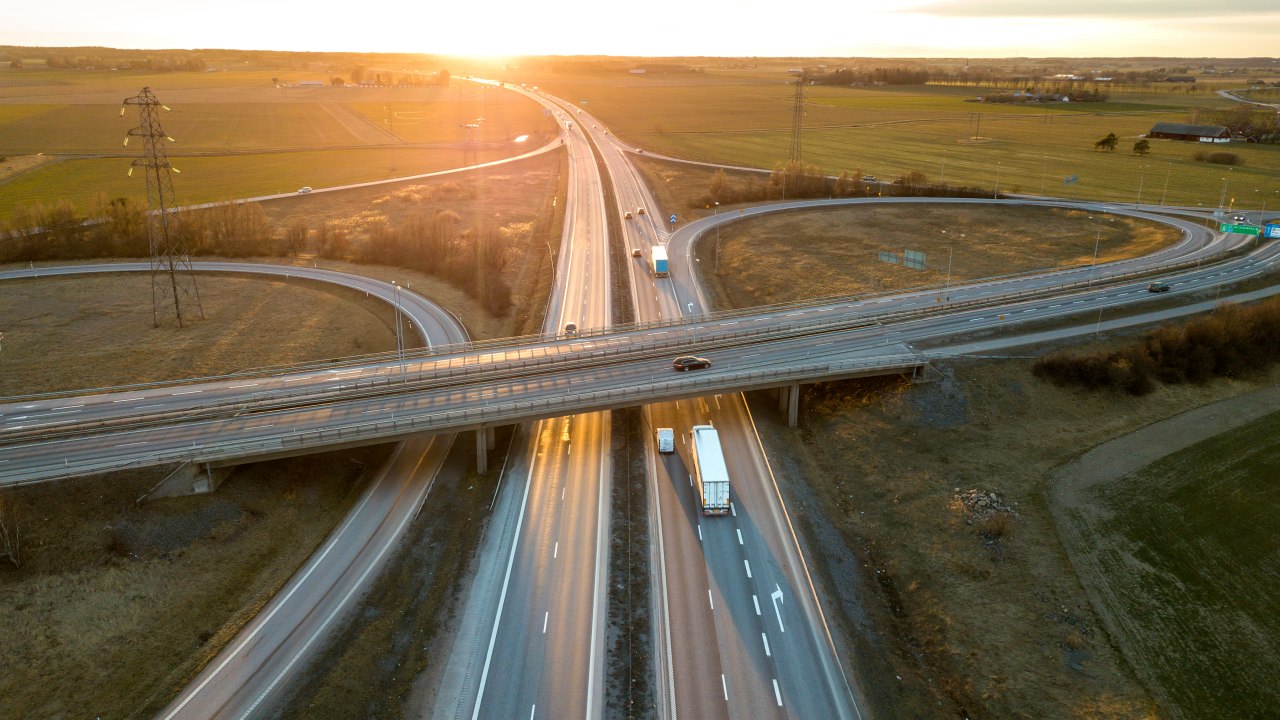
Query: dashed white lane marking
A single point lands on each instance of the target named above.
(739, 530)
(756, 601)
(724, 685)
(258, 427)
(711, 599)
(777, 694)
(366, 412)
(297, 379)
(747, 563)
(765, 637)
(64, 407)
(545, 616)
(243, 386)
(556, 552)
(699, 532)
(140, 442)
(128, 399)
(733, 508)
(187, 392)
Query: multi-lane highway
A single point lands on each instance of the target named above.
(740, 627)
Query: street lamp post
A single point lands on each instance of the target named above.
(1094, 264)
(996, 194)
(1168, 171)
(943, 179)
(1222, 197)
(717, 212)
(1141, 179)
(1044, 171)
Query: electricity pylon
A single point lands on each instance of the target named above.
(173, 282)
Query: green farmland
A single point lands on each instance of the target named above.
(1184, 554)
(888, 132)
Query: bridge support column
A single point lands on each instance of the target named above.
(482, 450)
(490, 438)
(783, 399)
(792, 394)
(188, 479)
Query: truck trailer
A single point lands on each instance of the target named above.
(710, 474)
(659, 257)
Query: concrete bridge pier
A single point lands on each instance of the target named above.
(792, 394)
(486, 440)
(189, 478)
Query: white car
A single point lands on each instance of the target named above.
(304, 190)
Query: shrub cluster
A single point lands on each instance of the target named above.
(795, 181)
(472, 259)
(1218, 157)
(1232, 341)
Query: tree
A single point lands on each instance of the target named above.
(1107, 143)
(1142, 147)
(337, 82)
(357, 74)
(442, 78)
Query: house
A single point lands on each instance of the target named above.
(1193, 133)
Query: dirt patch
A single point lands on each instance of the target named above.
(116, 606)
(17, 164)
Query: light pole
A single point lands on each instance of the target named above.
(717, 212)
(1141, 179)
(996, 194)
(1222, 198)
(395, 293)
(943, 179)
(1044, 171)
(1168, 171)
(1094, 264)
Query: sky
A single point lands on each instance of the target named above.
(735, 28)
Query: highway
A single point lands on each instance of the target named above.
(532, 646)
(741, 632)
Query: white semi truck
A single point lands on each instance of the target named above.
(710, 474)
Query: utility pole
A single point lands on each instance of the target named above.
(172, 278)
(797, 119)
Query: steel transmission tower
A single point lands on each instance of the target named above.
(797, 118)
(173, 282)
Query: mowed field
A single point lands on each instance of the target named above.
(890, 131)
(233, 142)
(1183, 557)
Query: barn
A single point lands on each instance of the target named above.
(1193, 133)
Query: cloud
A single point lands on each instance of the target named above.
(1145, 9)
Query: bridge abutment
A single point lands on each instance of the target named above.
(189, 479)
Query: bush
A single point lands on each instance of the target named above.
(1218, 157)
(1233, 341)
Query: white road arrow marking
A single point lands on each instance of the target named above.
(776, 596)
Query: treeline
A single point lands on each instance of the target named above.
(797, 180)
(873, 76)
(154, 63)
(1257, 125)
(1232, 341)
(470, 258)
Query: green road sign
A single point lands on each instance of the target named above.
(1241, 229)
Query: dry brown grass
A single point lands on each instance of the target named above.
(94, 331)
(116, 605)
(977, 626)
(836, 252)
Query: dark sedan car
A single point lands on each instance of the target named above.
(1158, 287)
(690, 362)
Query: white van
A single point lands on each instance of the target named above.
(666, 440)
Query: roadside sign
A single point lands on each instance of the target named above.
(673, 218)
(1272, 230)
(1241, 229)
(913, 259)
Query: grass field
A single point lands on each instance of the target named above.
(889, 132)
(841, 247)
(1183, 555)
(217, 178)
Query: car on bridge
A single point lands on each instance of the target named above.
(304, 190)
(637, 252)
(627, 215)
(690, 362)
(1158, 287)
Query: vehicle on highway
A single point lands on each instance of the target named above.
(1239, 219)
(627, 214)
(639, 211)
(304, 190)
(868, 178)
(1158, 287)
(659, 261)
(690, 362)
(571, 328)
(710, 474)
(637, 252)
(666, 440)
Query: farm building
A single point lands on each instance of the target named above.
(1194, 133)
